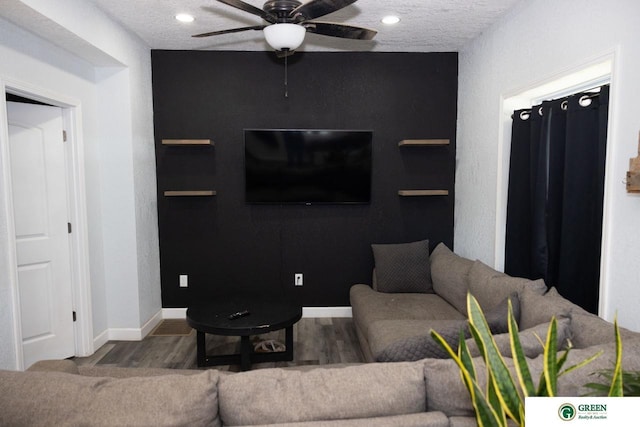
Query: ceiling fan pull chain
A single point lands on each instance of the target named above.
(286, 88)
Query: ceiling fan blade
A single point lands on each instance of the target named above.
(340, 30)
(239, 4)
(317, 8)
(233, 30)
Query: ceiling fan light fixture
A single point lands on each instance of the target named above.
(284, 36)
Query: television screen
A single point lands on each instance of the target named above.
(307, 166)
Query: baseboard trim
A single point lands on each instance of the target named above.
(317, 312)
(125, 334)
(313, 312)
(128, 334)
(101, 339)
(152, 323)
(174, 313)
(137, 334)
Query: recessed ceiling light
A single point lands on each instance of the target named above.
(184, 17)
(390, 20)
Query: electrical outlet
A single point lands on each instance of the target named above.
(184, 281)
(297, 279)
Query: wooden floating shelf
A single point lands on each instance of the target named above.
(189, 193)
(423, 142)
(422, 193)
(187, 142)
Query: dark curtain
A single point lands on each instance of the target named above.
(556, 192)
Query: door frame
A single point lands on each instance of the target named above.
(76, 190)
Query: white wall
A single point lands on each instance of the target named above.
(117, 131)
(129, 186)
(536, 42)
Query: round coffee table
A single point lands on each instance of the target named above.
(265, 314)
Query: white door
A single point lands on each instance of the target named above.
(39, 187)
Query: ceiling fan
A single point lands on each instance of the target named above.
(289, 20)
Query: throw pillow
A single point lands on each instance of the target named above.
(424, 346)
(498, 317)
(449, 273)
(490, 287)
(529, 339)
(403, 267)
(536, 309)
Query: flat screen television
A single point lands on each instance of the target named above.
(307, 166)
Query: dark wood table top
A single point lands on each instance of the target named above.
(266, 313)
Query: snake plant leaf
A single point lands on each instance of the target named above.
(630, 383)
(616, 389)
(494, 401)
(550, 366)
(465, 357)
(499, 374)
(490, 392)
(502, 398)
(486, 415)
(519, 359)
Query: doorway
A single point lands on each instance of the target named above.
(556, 194)
(40, 206)
(34, 301)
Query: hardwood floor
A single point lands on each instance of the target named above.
(317, 341)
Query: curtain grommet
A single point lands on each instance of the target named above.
(585, 101)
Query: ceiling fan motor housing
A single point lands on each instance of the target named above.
(287, 21)
(281, 9)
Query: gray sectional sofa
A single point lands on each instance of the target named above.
(427, 392)
(402, 306)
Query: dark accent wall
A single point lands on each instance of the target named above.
(225, 245)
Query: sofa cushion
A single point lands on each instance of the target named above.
(447, 393)
(272, 396)
(498, 317)
(445, 390)
(402, 267)
(422, 419)
(490, 287)
(423, 345)
(536, 309)
(370, 306)
(449, 274)
(529, 339)
(573, 382)
(386, 333)
(420, 344)
(466, 422)
(587, 328)
(61, 399)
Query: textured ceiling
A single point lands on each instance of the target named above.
(425, 26)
